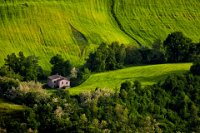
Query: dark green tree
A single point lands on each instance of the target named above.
(177, 47)
(119, 53)
(7, 84)
(97, 60)
(31, 68)
(111, 62)
(12, 62)
(133, 56)
(27, 67)
(57, 59)
(195, 68)
(60, 66)
(5, 72)
(126, 86)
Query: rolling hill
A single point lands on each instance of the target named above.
(147, 75)
(74, 28)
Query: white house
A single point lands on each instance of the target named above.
(57, 81)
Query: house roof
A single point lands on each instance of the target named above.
(55, 77)
(59, 77)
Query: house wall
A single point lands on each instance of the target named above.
(52, 84)
(64, 83)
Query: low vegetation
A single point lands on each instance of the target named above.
(10, 114)
(168, 106)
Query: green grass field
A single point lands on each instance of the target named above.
(147, 75)
(147, 20)
(74, 28)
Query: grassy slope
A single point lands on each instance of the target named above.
(45, 28)
(145, 74)
(73, 28)
(148, 20)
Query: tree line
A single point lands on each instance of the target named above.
(27, 68)
(175, 48)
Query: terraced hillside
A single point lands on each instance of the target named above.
(147, 75)
(74, 28)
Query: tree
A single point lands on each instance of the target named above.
(111, 60)
(133, 56)
(82, 75)
(146, 55)
(31, 68)
(119, 52)
(97, 60)
(60, 66)
(7, 84)
(195, 69)
(12, 62)
(57, 59)
(177, 47)
(156, 57)
(27, 67)
(126, 85)
(157, 45)
(5, 72)
(67, 67)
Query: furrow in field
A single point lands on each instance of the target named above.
(119, 24)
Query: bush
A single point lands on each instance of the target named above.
(7, 83)
(195, 69)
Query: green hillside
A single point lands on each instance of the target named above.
(74, 28)
(147, 20)
(45, 28)
(147, 75)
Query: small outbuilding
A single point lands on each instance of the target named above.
(58, 81)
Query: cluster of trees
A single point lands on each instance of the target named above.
(176, 48)
(168, 106)
(116, 56)
(21, 67)
(27, 68)
(106, 58)
(179, 48)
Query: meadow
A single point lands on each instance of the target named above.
(147, 75)
(75, 28)
(154, 19)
